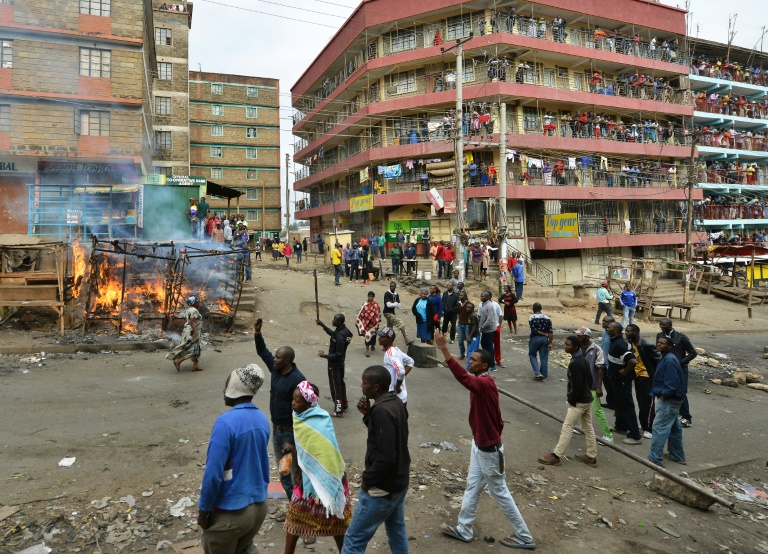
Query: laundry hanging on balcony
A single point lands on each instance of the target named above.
(393, 171)
(364, 175)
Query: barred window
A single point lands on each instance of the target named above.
(5, 118)
(162, 170)
(252, 92)
(163, 36)
(251, 132)
(164, 71)
(217, 130)
(217, 172)
(95, 63)
(405, 82)
(251, 153)
(252, 215)
(217, 152)
(217, 89)
(6, 54)
(402, 40)
(162, 105)
(217, 109)
(251, 175)
(459, 26)
(95, 7)
(91, 123)
(163, 140)
(251, 112)
(251, 194)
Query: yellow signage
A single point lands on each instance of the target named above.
(561, 226)
(361, 203)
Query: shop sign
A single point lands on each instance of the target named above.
(186, 180)
(16, 165)
(561, 226)
(411, 212)
(434, 197)
(154, 179)
(361, 203)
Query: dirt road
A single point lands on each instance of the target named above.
(136, 426)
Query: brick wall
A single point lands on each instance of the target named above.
(233, 94)
(59, 65)
(234, 135)
(94, 24)
(92, 147)
(179, 150)
(236, 177)
(58, 14)
(233, 114)
(128, 74)
(6, 77)
(179, 109)
(127, 18)
(94, 86)
(201, 155)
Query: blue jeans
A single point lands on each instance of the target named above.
(381, 251)
(603, 307)
(278, 439)
(338, 272)
(666, 426)
(463, 337)
(629, 316)
(369, 514)
(440, 268)
(519, 290)
(539, 345)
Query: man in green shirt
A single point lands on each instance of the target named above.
(202, 212)
(396, 254)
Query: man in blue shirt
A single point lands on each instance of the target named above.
(233, 498)
(628, 300)
(519, 275)
(669, 391)
(604, 298)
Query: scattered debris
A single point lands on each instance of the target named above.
(177, 510)
(449, 446)
(668, 531)
(67, 462)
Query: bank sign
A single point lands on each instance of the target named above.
(561, 226)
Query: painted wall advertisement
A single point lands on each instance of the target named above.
(561, 226)
(361, 203)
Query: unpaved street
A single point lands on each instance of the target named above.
(136, 426)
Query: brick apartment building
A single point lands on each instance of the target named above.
(371, 111)
(234, 132)
(75, 77)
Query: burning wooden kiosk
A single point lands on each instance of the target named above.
(131, 283)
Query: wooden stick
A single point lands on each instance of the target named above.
(317, 297)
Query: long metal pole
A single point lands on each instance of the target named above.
(689, 220)
(502, 173)
(459, 160)
(287, 196)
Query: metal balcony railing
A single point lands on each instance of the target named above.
(732, 107)
(732, 211)
(736, 141)
(730, 72)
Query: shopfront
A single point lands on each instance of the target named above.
(15, 173)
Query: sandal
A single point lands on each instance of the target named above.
(513, 541)
(309, 540)
(450, 531)
(280, 518)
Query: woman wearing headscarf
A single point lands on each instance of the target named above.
(424, 311)
(189, 347)
(320, 505)
(368, 322)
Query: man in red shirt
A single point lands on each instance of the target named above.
(486, 463)
(439, 256)
(449, 256)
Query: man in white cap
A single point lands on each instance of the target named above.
(233, 498)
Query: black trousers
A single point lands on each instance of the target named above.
(354, 269)
(610, 397)
(338, 387)
(450, 318)
(626, 419)
(645, 413)
(486, 343)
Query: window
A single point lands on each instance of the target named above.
(402, 40)
(251, 112)
(468, 74)
(95, 63)
(217, 152)
(251, 153)
(95, 7)
(459, 27)
(251, 132)
(163, 140)
(252, 92)
(164, 71)
(217, 109)
(217, 172)
(252, 215)
(217, 89)
(251, 174)
(163, 36)
(531, 119)
(162, 170)
(217, 130)
(91, 123)
(404, 82)
(251, 194)
(5, 118)
(6, 54)
(162, 105)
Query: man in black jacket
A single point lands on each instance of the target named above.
(647, 358)
(579, 398)
(337, 354)
(621, 368)
(450, 310)
(285, 378)
(685, 352)
(392, 302)
(384, 482)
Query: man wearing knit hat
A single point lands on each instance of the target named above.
(233, 498)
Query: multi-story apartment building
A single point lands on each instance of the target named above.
(598, 124)
(172, 23)
(731, 118)
(235, 141)
(75, 81)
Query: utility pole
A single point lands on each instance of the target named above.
(287, 196)
(691, 181)
(502, 173)
(459, 152)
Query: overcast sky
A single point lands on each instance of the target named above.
(226, 39)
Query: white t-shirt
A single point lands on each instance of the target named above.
(395, 361)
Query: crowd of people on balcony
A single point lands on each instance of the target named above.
(735, 105)
(731, 207)
(732, 138)
(736, 238)
(732, 173)
(719, 68)
(584, 124)
(588, 171)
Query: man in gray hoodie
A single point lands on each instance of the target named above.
(488, 321)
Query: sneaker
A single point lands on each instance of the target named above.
(550, 459)
(606, 438)
(583, 458)
(631, 441)
(451, 342)
(494, 368)
(685, 422)
(647, 435)
(501, 366)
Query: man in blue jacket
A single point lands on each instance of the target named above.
(233, 498)
(628, 300)
(669, 391)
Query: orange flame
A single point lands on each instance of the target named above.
(78, 268)
(223, 306)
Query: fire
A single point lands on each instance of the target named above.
(223, 306)
(78, 268)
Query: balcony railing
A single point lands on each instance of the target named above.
(737, 141)
(595, 226)
(731, 211)
(733, 107)
(427, 35)
(732, 175)
(730, 72)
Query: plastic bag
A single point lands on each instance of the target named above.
(285, 464)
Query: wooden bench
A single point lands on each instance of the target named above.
(666, 308)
